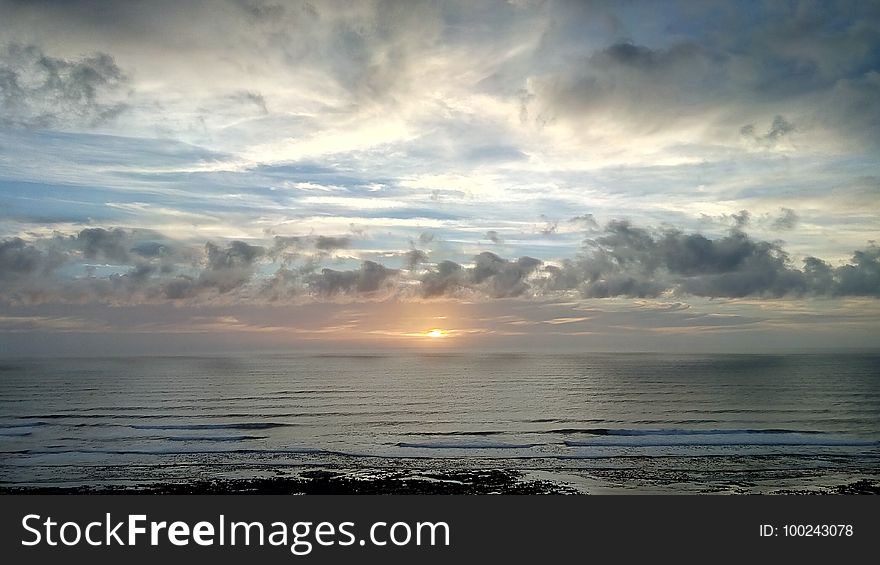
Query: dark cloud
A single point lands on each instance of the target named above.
(741, 219)
(491, 274)
(612, 82)
(486, 264)
(261, 10)
(286, 248)
(19, 259)
(549, 227)
(284, 284)
(632, 261)
(414, 257)
(778, 129)
(818, 276)
(586, 220)
(254, 98)
(226, 269)
(369, 278)
(786, 220)
(328, 243)
(621, 260)
(629, 55)
(283, 243)
(501, 278)
(494, 237)
(447, 277)
(816, 60)
(180, 287)
(40, 91)
(106, 245)
(236, 255)
(862, 276)
(229, 268)
(151, 249)
(290, 247)
(621, 284)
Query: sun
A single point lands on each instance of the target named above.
(436, 332)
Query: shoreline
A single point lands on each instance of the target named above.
(435, 482)
(323, 481)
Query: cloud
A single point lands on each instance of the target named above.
(703, 84)
(290, 247)
(632, 261)
(19, 259)
(494, 237)
(283, 285)
(40, 91)
(310, 144)
(610, 85)
(501, 278)
(549, 227)
(862, 276)
(102, 244)
(490, 275)
(778, 129)
(236, 255)
(254, 98)
(741, 219)
(227, 269)
(447, 277)
(414, 257)
(630, 56)
(370, 278)
(621, 260)
(586, 220)
(328, 243)
(286, 248)
(787, 220)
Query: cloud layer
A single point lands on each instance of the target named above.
(252, 152)
(39, 91)
(620, 260)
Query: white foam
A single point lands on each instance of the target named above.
(466, 445)
(723, 439)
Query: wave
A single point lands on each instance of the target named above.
(610, 432)
(456, 433)
(22, 425)
(194, 451)
(232, 426)
(212, 438)
(726, 439)
(679, 431)
(80, 416)
(466, 445)
(201, 414)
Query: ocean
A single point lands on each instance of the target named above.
(588, 423)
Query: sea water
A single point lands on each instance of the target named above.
(643, 421)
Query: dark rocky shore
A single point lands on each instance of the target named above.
(494, 481)
(385, 480)
(858, 487)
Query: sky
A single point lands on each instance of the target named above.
(181, 177)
